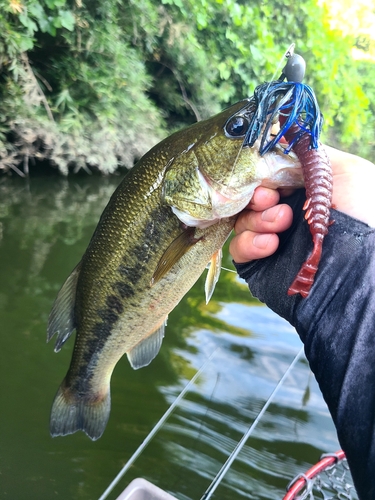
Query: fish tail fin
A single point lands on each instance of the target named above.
(71, 413)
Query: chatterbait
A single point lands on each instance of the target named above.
(294, 105)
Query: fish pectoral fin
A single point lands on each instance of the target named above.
(213, 274)
(174, 252)
(143, 353)
(61, 319)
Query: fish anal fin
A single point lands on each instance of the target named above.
(174, 252)
(213, 274)
(71, 413)
(145, 351)
(61, 319)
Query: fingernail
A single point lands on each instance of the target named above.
(271, 214)
(261, 240)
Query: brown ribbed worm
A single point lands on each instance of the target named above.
(317, 175)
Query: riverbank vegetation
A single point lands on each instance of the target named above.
(94, 85)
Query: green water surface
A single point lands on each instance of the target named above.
(45, 226)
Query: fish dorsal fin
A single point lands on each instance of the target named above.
(213, 274)
(174, 252)
(143, 353)
(61, 319)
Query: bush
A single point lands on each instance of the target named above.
(95, 86)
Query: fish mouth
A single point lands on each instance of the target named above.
(221, 198)
(274, 169)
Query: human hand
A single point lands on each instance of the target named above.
(257, 226)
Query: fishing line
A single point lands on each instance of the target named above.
(230, 270)
(197, 439)
(224, 469)
(288, 53)
(156, 427)
(259, 124)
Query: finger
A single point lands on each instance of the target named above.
(353, 181)
(249, 246)
(341, 161)
(347, 163)
(273, 220)
(263, 198)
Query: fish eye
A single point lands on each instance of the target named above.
(236, 126)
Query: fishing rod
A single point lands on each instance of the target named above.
(232, 457)
(219, 477)
(295, 70)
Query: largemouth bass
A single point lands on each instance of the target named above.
(166, 221)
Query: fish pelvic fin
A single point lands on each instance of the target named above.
(71, 413)
(143, 353)
(213, 274)
(61, 319)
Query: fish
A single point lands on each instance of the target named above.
(167, 220)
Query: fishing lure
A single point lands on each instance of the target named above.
(294, 105)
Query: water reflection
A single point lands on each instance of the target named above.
(45, 226)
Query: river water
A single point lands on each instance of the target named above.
(45, 225)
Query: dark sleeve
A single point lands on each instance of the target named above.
(336, 323)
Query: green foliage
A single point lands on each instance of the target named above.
(96, 85)
(78, 97)
(245, 41)
(21, 23)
